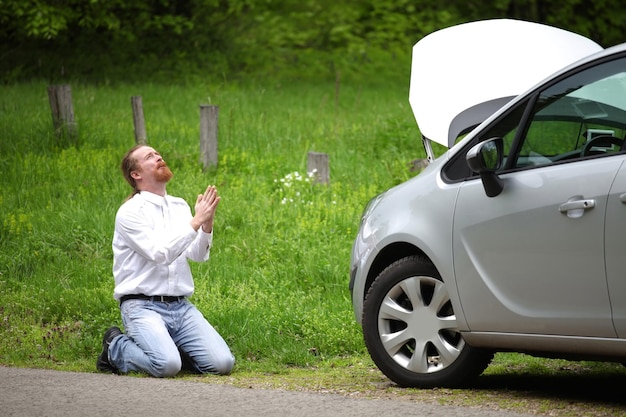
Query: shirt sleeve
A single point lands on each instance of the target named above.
(200, 249)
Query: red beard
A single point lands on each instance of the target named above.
(163, 173)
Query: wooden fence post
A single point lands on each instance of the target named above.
(60, 97)
(138, 120)
(208, 135)
(318, 163)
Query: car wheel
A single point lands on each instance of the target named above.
(411, 331)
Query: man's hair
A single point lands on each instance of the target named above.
(129, 164)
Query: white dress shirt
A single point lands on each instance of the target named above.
(152, 243)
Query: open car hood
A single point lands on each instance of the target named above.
(462, 74)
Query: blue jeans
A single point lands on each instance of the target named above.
(157, 333)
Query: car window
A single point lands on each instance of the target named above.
(581, 116)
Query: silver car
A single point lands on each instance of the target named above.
(514, 239)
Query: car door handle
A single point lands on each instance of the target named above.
(577, 205)
(622, 198)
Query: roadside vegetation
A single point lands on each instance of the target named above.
(276, 284)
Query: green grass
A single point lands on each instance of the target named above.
(276, 283)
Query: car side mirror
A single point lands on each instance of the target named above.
(485, 159)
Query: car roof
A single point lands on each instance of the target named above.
(462, 74)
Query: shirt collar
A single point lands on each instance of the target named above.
(155, 199)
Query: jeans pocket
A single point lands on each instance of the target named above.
(130, 308)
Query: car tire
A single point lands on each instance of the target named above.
(411, 331)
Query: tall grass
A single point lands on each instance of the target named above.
(276, 283)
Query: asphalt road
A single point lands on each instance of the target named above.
(35, 392)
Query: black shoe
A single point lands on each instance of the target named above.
(103, 363)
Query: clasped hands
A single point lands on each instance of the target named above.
(206, 204)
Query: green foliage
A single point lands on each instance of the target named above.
(599, 20)
(108, 41)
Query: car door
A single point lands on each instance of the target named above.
(526, 264)
(615, 243)
(532, 260)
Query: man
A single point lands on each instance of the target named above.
(155, 236)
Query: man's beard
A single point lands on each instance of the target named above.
(163, 173)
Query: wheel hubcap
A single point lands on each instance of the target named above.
(417, 325)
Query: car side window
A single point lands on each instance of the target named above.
(507, 129)
(581, 116)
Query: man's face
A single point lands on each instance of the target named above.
(151, 165)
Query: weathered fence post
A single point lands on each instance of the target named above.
(138, 120)
(318, 163)
(60, 97)
(208, 135)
